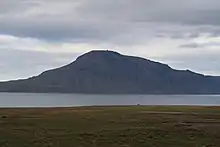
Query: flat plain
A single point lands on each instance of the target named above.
(111, 126)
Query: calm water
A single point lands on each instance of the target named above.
(68, 100)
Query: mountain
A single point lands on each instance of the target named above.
(108, 72)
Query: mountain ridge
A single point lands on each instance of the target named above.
(109, 72)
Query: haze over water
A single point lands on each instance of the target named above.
(71, 100)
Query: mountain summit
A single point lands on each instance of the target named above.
(108, 72)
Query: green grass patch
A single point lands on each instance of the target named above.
(121, 126)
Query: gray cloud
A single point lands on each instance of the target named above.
(200, 45)
(196, 12)
(107, 21)
(191, 45)
(14, 6)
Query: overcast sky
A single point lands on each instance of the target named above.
(36, 35)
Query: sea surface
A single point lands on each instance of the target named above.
(69, 100)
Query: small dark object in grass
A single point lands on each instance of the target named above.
(4, 116)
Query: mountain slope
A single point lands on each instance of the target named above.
(109, 72)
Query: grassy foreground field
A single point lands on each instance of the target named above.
(131, 126)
